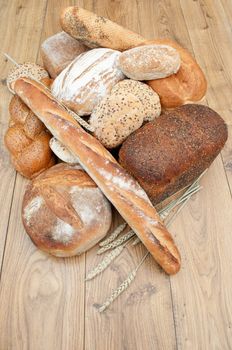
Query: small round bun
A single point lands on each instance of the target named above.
(64, 212)
(116, 117)
(147, 96)
(28, 70)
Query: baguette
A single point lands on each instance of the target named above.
(97, 31)
(118, 186)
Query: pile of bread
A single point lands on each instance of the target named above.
(136, 97)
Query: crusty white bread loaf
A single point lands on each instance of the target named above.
(97, 31)
(64, 212)
(87, 80)
(118, 186)
(149, 62)
(58, 51)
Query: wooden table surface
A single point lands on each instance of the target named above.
(45, 302)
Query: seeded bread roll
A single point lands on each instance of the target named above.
(173, 150)
(64, 212)
(147, 96)
(116, 117)
(29, 70)
(149, 62)
(58, 51)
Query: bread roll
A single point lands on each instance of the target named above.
(147, 96)
(187, 85)
(97, 31)
(27, 141)
(30, 70)
(117, 185)
(58, 51)
(173, 150)
(87, 80)
(62, 152)
(64, 212)
(149, 62)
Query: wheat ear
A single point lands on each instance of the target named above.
(123, 286)
(113, 235)
(117, 242)
(105, 262)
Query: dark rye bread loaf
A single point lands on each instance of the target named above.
(169, 153)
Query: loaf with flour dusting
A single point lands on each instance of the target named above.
(87, 80)
(64, 212)
(118, 186)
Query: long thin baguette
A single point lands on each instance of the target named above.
(97, 31)
(118, 186)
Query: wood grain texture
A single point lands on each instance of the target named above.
(44, 301)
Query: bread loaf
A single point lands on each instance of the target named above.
(64, 212)
(87, 80)
(58, 51)
(117, 185)
(187, 85)
(96, 31)
(149, 62)
(27, 140)
(173, 150)
(62, 152)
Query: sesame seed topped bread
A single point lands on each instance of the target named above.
(169, 153)
(97, 31)
(116, 117)
(88, 79)
(64, 212)
(147, 96)
(29, 70)
(149, 62)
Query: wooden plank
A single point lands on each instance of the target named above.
(41, 297)
(134, 320)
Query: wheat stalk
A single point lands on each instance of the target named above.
(113, 235)
(105, 262)
(123, 286)
(82, 122)
(116, 243)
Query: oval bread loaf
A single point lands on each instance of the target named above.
(149, 62)
(88, 79)
(64, 212)
(97, 31)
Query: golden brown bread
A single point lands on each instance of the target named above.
(173, 150)
(187, 85)
(64, 212)
(117, 185)
(27, 140)
(97, 31)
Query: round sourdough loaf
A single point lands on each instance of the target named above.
(167, 154)
(149, 62)
(88, 79)
(64, 212)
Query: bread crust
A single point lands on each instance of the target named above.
(117, 185)
(64, 212)
(187, 85)
(170, 152)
